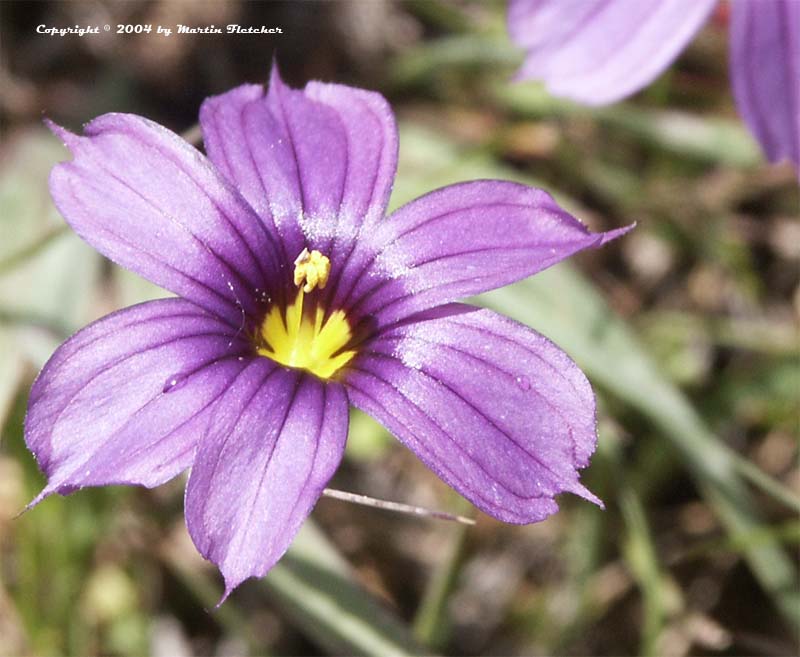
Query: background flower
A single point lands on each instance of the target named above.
(601, 51)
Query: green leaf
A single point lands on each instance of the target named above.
(707, 139)
(315, 586)
(46, 271)
(11, 372)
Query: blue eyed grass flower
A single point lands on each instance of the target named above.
(600, 51)
(296, 297)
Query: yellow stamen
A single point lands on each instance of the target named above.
(313, 268)
(306, 340)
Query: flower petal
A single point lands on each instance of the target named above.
(495, 409)
(126, 399)
(765, 69)
(315, 163)
(149, 201)
(599, 51)
(458, 241)
(276, 439)
(371, 157)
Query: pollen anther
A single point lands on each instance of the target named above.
(311, 268)
(300, 335)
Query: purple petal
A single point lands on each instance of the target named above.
(765, 69)
(371, 157)
(495, 409)
(599, 51)
(458, 241)
(274, 443)
(126, 399)
(315, 163)
(149, 201)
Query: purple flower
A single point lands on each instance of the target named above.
(295, 297)
(599, 51)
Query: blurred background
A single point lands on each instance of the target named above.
(687, 328)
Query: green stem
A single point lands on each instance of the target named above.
(430, 624)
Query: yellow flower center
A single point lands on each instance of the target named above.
(302, 339)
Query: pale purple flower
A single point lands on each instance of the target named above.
(600, 51)
(296, 296)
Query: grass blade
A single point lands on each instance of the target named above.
(314, 586)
